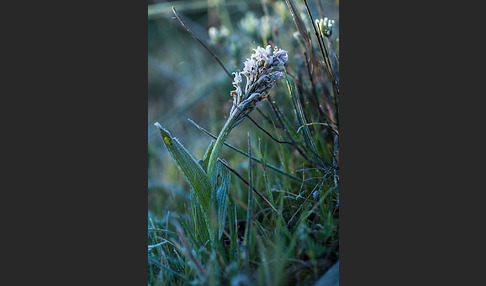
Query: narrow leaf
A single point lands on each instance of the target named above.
(268, 185)
(221, 191)
(199, 219)
(192, 171)
(247, 241)
(204, 161)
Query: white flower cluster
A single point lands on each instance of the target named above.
(218, 36)
(261, 70)
(325, 26)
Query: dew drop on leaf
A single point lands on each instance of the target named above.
(167, 140)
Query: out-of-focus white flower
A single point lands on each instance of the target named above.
(218, 36)
(249, 24)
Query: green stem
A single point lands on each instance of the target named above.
(218, 145)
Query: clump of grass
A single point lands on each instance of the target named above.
(268, 215)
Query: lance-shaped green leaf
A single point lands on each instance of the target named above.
(205, 159)
(221, 183)
(199, 219)
(194, 174)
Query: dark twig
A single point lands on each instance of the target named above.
(296, 146)
(329, 62)
(300, 207)
(246, 154)
(336, 89)
(319, 162)
(261, 128)
(307, 40)
(324, 53)
(322, 114)
(263, 115)
(201, 43)
(246, 182)
(311, 79)
(327, 97)
(250, 203)
(319, 6)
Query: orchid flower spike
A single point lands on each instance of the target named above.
(261, 70)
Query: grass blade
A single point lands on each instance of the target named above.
(248, 184)
(300, 26)
(268, 186)
(204, 161)
(299, 112)
(248, 214)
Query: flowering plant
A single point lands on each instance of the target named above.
(261, 71)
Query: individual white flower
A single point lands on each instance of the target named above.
(325, 26)
(237, 80)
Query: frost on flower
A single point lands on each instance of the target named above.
(261, 70)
